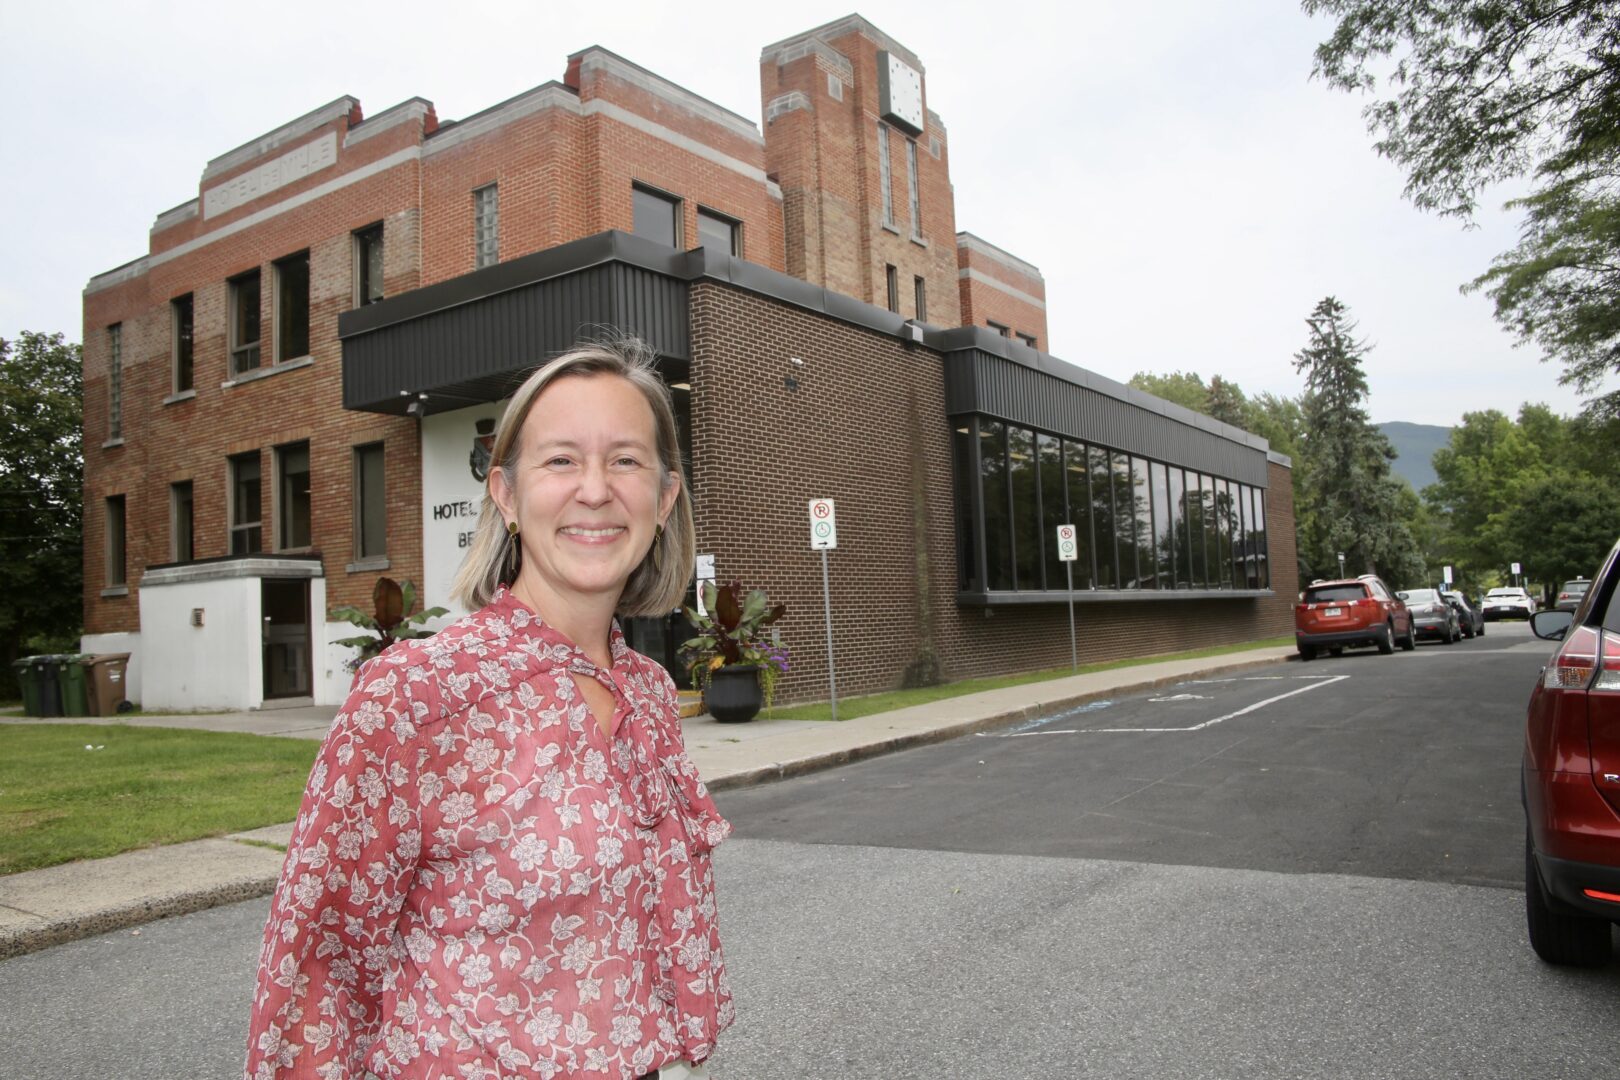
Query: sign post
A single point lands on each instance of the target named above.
(1068, 551)
(1515, 575)
(824, 538)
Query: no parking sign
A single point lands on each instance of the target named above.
(1068, 550)
(823, 525)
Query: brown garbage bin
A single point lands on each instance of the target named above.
(105, 675)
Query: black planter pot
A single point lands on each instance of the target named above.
(734, 694)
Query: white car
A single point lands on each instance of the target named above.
(1509, 604)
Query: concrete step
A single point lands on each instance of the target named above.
(691, 703)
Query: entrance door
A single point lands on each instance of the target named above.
(660, 638)
(285, 606)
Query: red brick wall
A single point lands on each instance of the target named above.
(190, 439)
(827, 160)
(867, 428)
(983, 304)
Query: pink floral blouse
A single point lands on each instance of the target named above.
(481, 885)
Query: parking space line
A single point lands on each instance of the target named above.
(1316, 684)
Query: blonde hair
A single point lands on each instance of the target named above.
(659, 583)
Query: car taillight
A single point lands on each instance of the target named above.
(1608, 676)
(1576, 660)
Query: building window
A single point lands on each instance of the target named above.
(486, 227)
(292, 496)
(835, 87)
(115, 381)
(911, 181)
(885, 182)
(292, 307)
(368, 265)
(370, 511)
(180, 319)
(893, 276)
(656, 216)
(244, 334)
(1004, 331)
(718, 231)
(246, 535)
(1027, 339)
(117, 563)
(919, 288)
(182, 546)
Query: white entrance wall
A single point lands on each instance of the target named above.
(451, 498)
(220, 664)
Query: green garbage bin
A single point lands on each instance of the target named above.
(73, 683)
(28, 683)
(37, 676)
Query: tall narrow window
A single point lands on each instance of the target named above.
(885, 181)
(246, 535)
(117, 569)
(1102, 517)
(370, 509)
(967, 529)
(1021, 477)
(486, 227)
(656, 216)
(292, 307)
(1163, 545)
(1053, 512)
(180, 319)
(998, 553)
(911, 179)
(244, 334)
(368, 265)
(919, 288)
(292, 496)
(115, 381)
(182, 544)
(718, 231)
(1079, 491)
(893, 281)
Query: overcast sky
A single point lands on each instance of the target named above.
(1188, 192)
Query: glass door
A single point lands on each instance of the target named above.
(287, 667)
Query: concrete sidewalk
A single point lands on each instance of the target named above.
(41, 908)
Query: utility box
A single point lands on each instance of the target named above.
(105, 676)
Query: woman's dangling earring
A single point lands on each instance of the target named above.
(658, 547)
(513, 559)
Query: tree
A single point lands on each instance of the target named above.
(41, 482)
(1560, 529)
(1348, 499)
(1484, 91)
(1479, 473)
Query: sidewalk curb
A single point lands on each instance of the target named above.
(120, 917)
(18, 941)
(786, 770)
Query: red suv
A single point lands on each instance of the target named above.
(1571, 782)
(1355, 611)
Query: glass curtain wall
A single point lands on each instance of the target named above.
(1140, 524)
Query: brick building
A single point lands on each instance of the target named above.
(283, 397)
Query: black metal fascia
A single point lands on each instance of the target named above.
(1105, 596)
(1016, 384)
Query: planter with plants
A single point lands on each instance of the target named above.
(730, 660)
(391, 620)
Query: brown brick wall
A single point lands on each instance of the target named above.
(867, 428)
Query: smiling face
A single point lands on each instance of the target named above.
(586, 492)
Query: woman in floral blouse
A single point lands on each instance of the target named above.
(502, 863)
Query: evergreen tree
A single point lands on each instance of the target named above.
(1349, 501)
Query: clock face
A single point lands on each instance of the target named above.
(900, 93)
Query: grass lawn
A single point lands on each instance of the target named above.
(850, 708)
(142, 787)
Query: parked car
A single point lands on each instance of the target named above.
(1471, 618)
(1432, 617)
(1571, 780)
(1333, 615)
(1509, 604)
(1571, 593)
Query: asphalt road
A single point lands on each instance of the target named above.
(1284, 877)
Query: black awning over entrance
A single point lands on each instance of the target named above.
(474, 338)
